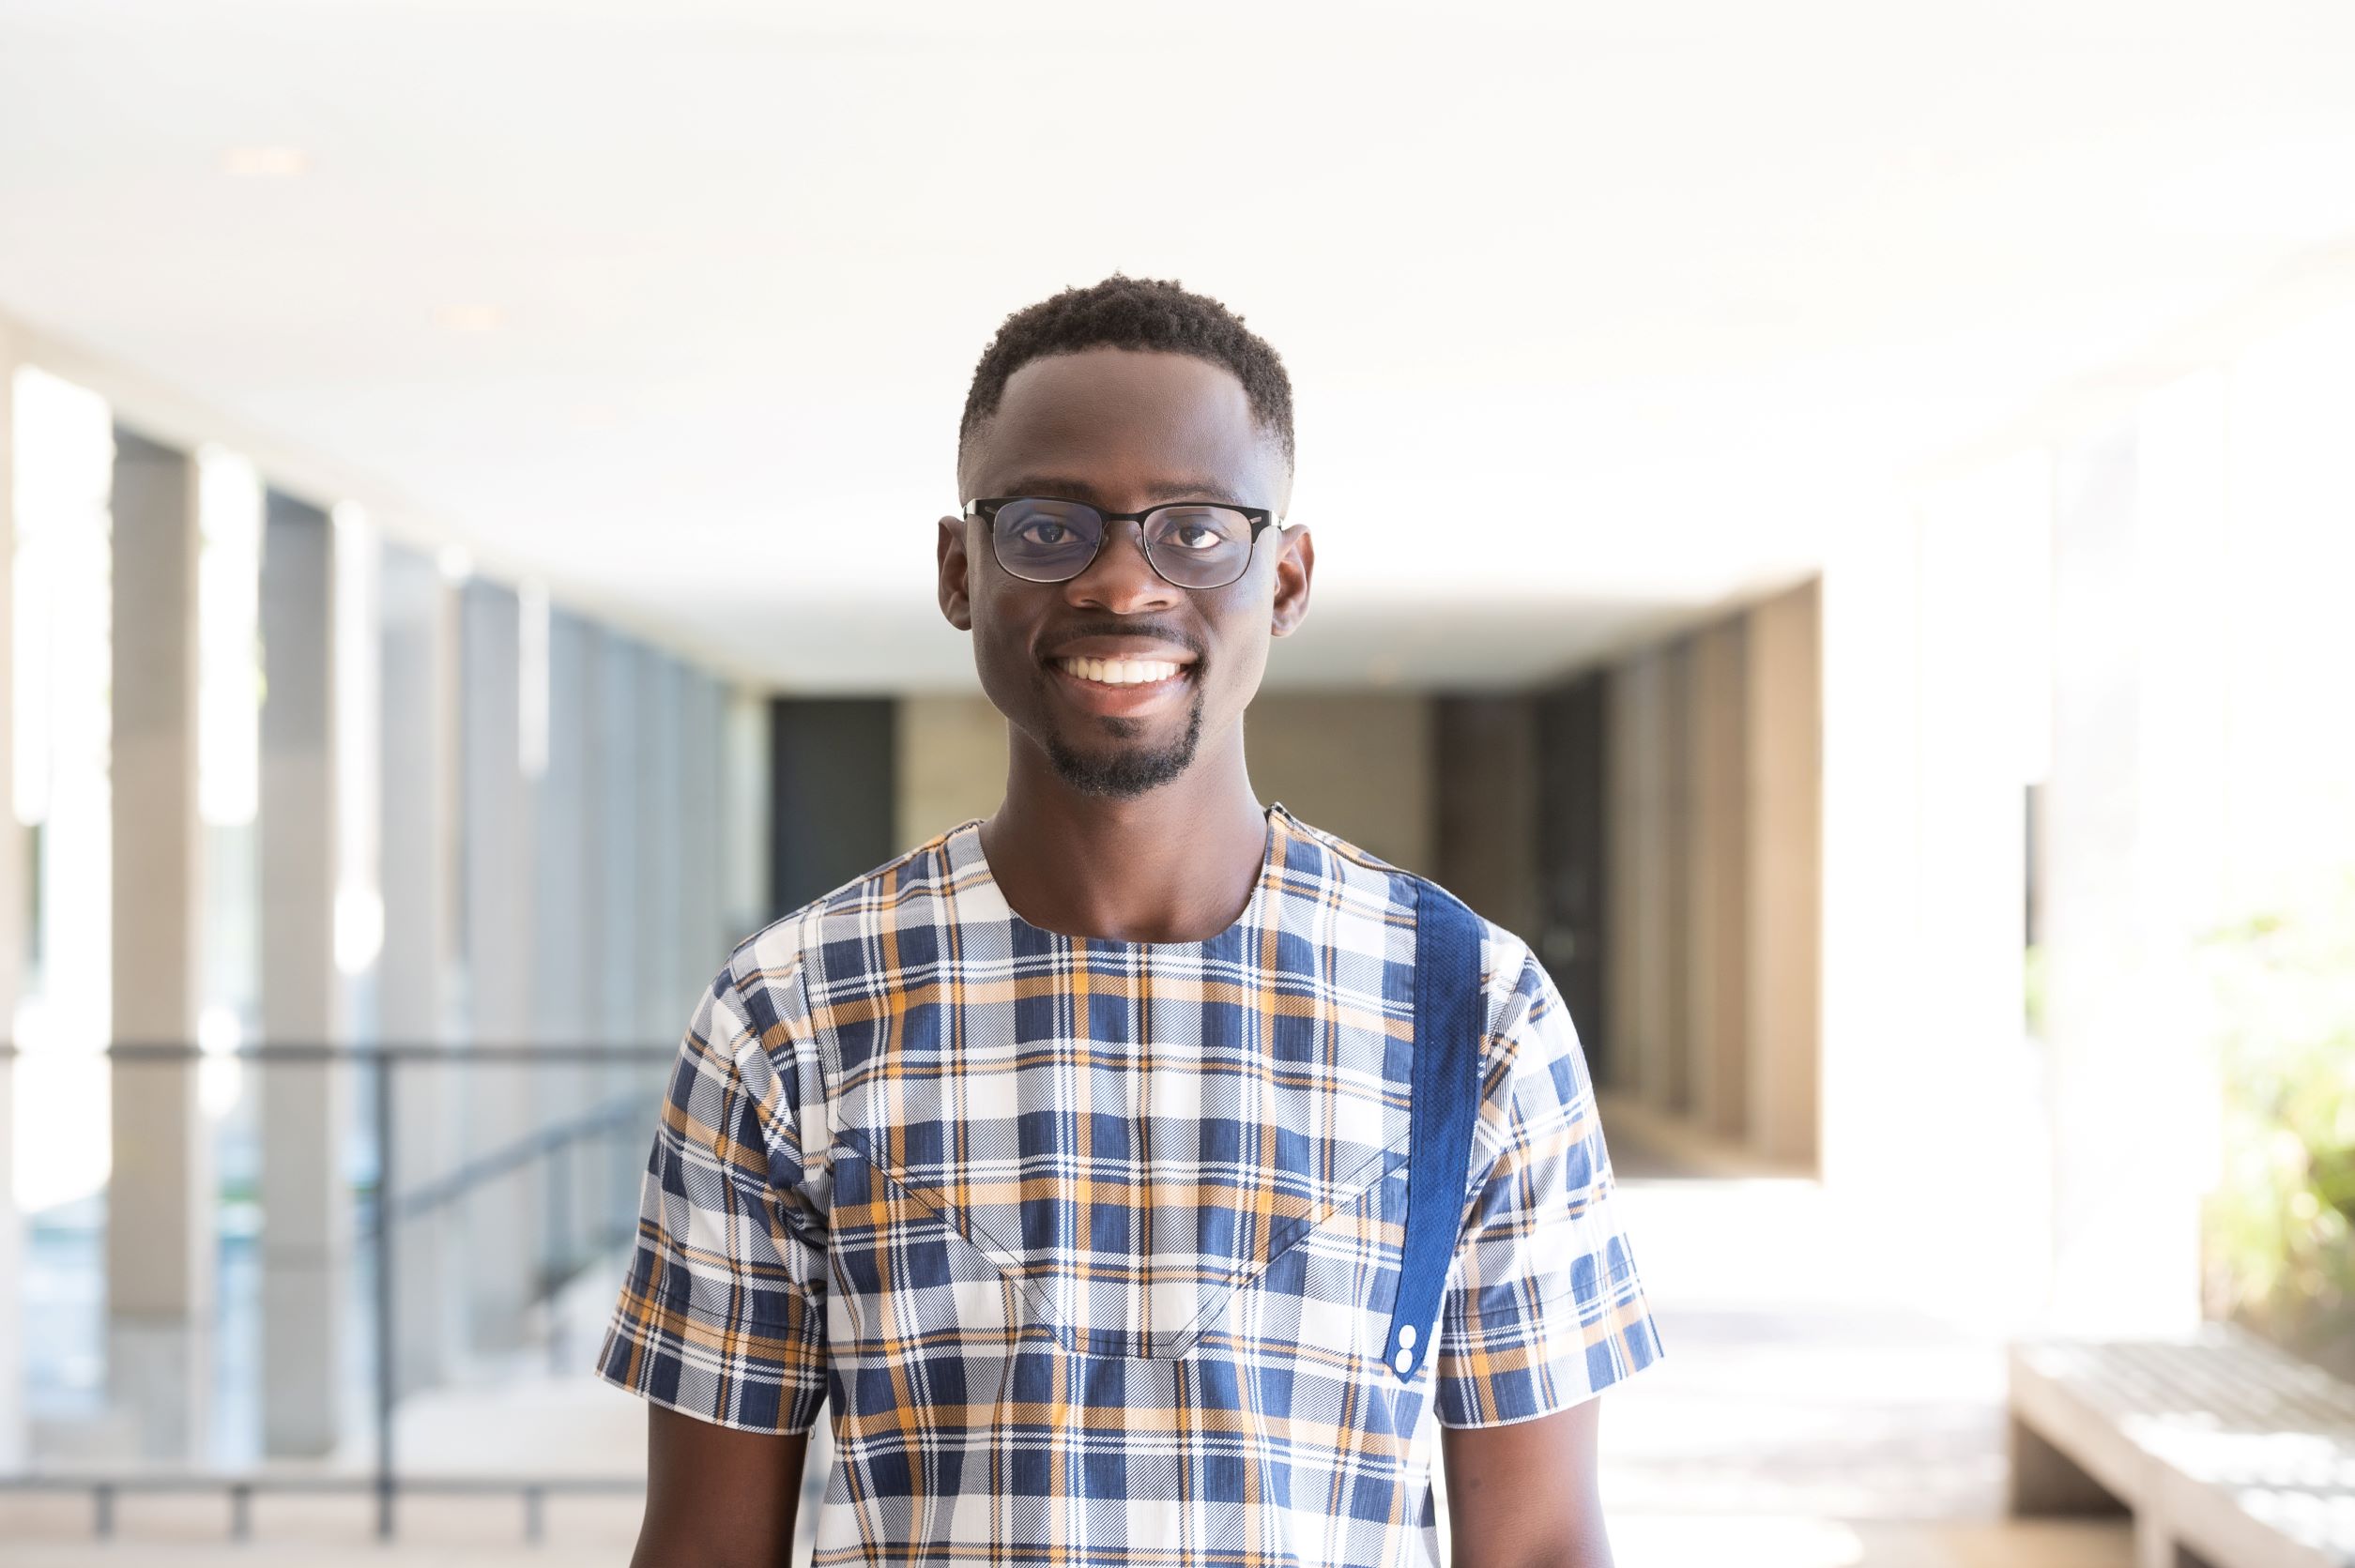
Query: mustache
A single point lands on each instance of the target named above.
(1159, 632)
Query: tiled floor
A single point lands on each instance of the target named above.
(1805, 1416)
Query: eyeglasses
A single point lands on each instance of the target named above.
(1192, 544)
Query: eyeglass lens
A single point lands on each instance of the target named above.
(1052, 542)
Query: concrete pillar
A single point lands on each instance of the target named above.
(1921, 953)
(718, 922)
(719, 898)
(1930, 631)
(615, 853)
(1624, 891)
(160, 1234)
(416, 997)
(566, 964)
(1783, 799)
(1871, 828)
(701, 948)
(504, 1214)
(306, 1108)
(1985, 553)
(2133, 844)
(1717, 984)
(746, 838)
(665, 998)
(12, 906)
(1648, 835)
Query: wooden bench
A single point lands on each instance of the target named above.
(2228, 1453)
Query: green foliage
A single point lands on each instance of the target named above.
(2281, 1225)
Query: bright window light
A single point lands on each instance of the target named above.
(61, 631)
(218, 1076)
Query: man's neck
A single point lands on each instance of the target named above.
(1174, 864)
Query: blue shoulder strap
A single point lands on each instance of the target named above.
(1444, 1103)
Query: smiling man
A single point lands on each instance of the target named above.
(1129, 1174)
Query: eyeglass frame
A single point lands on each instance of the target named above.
(1260, 519)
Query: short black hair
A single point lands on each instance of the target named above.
(1148, 314)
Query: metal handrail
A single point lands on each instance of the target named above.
(527, 1053)
(383, 1477)
(241, 1488)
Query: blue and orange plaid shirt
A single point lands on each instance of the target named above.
(1089, 1247)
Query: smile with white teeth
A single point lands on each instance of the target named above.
(1121, 671)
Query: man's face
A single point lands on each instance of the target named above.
(1123, 431)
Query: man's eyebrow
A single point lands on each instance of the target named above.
(1058, 487)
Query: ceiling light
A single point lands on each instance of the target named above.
(469, 318)
(264, 163)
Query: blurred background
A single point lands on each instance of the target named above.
(1835, 521)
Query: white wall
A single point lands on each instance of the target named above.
(1356, 764)
(952, 763)
(12, 1421)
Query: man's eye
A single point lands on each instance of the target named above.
(1197, 536)
(1044, 533)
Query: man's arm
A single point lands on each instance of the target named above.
(1523, 1495)
(715, 1496)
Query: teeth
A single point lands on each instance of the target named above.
(1121, 671)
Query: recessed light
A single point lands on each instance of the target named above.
(470, 318)
(264, 163)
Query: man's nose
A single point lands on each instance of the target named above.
(1121, 580)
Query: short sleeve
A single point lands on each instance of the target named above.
(1543, 1307)
(723, 1312)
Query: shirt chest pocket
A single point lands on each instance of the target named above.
(1134, 1207)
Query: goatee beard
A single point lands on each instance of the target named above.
(1122, 775)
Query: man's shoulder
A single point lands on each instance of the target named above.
(1508, 964)
(1321, 865)
(903, 887)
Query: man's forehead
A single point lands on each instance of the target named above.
(1154, 418)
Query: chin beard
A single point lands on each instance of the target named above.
(1126, 773)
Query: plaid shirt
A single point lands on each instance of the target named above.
(1091, 1245)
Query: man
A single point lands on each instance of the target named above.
(1064, 1158)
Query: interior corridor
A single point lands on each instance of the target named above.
(1808, 1413)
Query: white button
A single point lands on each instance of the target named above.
(1405, 1363)
(1406, 1334)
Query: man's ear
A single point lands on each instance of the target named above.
(955, 590)
(1294, 567)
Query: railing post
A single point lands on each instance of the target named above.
(384, 1295)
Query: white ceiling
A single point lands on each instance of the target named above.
(1634, 306)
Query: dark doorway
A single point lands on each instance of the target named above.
(1573, 837)
(832, 792)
